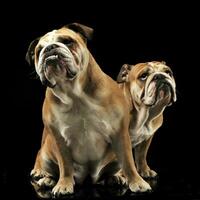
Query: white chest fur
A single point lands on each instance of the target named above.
(140, 135)
(85, 130)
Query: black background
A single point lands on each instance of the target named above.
(124, 33)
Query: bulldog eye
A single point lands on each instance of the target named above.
(169, 72)
(67, 42)
(143, 76)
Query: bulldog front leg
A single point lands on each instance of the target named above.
(123, 150)
(65, 184)
(141, 159)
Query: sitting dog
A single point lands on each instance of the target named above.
(85, 115)
(149, 88)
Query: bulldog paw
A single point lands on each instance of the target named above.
(42, 192)
(37, 174)
(139, 185)
(147, 173)
(46, 182)
(63, 187)
(119, 178)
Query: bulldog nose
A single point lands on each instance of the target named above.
(158, 77)
(50, 47)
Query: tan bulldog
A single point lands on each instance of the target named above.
(149, 88)
(85, 115)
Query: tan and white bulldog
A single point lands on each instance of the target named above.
(149, 88)
(85, 115)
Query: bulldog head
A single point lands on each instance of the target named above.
(150, 83)
(60, 55)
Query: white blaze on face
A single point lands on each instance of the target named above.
(150, 93)
(173, 84)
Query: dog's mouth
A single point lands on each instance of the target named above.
(58, 62)
(164, 90)
(158, 91)
(55, 62)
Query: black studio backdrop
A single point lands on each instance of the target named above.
(124, 33)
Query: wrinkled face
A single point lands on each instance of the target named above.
(151, 83)
(60, 56)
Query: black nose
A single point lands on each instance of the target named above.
(50, 47)
(158, 77)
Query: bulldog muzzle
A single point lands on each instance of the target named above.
(55, 59)
(158, 86)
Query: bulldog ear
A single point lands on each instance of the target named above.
(163, 62)
(123, 74)
(30, 54)
(85, 31)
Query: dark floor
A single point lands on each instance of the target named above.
(165, 187)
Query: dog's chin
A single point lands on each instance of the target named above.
(165, 93)
(164, 96)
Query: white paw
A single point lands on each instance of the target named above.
(147, 173)
(139, 186)
(63, 187)
(120, 178)
(46, 182)
(39, 173)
